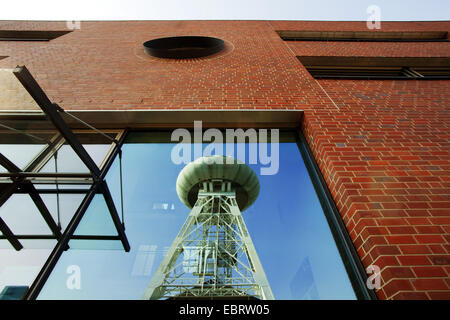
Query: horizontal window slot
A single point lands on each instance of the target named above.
(377, 67)
(31, 35)
(386, 36)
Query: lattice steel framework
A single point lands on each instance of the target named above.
(16, 180)
(213, 254)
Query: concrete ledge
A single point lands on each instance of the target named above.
(160, 118)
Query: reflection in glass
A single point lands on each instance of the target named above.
(97, 219)
(21, 148)
(20, 154)
(286, 223)
(68, 204)
(22, 216)
(20, 268)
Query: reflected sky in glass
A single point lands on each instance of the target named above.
(20, 154)
(286, 223)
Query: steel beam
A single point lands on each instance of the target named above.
(28, 186)
(34, 195)
(57, 251)
(52, 112)
(7, 192)
(10, 236)
(52, 237)
(21, 174)
(114, 215)
(8, 165)
(59, 191)
(68, 234)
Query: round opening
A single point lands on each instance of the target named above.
(183, 47)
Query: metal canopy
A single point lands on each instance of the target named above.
(23, 181)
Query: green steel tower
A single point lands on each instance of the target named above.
(213, 256)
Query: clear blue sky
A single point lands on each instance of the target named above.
(222, 9)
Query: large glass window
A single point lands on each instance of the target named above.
(286, 223)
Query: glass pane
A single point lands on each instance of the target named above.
(20, 268)
(21, 148)
(22, 216)
(96, 146)
(97, 219)
(286, 223)
(68, 160)
(68, 204)
(20, 154)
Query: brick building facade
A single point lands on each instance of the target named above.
(381, 145)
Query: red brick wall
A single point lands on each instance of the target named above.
(382, 146)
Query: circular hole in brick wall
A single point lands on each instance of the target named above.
(184, 47)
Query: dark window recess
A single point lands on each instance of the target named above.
(377, 67)
(3, 57)
(31, 35)
(405, 36)
(183, 47)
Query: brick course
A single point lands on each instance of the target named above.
(382, 145)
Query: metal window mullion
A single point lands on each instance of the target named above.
(112, 154)
(45, 155)
(113, 149)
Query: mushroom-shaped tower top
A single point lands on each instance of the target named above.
(208, 169)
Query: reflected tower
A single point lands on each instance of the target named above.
(213, 255)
